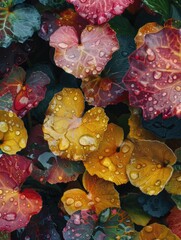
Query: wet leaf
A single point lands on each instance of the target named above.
(70, 134)
(177, 200)
(174, 184)
(136, 214)
(101, 195)
(52, 3)
(17, 206)
(159, 6)
(99, 12)
(114, 223)
(17, 22)
(110, 160)
(150, 166)
(80, 226)
(153, 78)
(173, 221)
(156, 206)
(13, 134)
(20, 95)
(156, 231)
(103, 91)
(87, 56)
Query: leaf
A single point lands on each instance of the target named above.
(174, 184)
(17, 206)
(177, 200)
(136, 214)
(103, 91)
(69, 134)
(101, 195)
(17, 22)
(150, 157)
(114, 223)
(19, 95)
(157, 231)
(156, 206)
(165, 128)
(153, 78)
(53, 3)
(160, 6)
(80, 225)
(110, 160)
(87, 58)
(5, 236)
(99, 12)
(173, 221)
(13, 134)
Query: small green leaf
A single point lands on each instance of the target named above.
(159, 6)
(177, 200)
(17, 23)
(5, 236)
(136, 214)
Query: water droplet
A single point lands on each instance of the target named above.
(150, 109)
(78, 204)
(150, 54)
(11, 114)
(69, 201)
(10, 216)
(89, 28)
(124, 53)
(63, 45)
(87, 140)
(1, 191)
(179, 179)
(164, 94)
(101, 54)
(97, 199)
(125, 148)
(159, 166)
(18, 133)
(157, 75)
(134, 175)
(158, 183)
(22, 197)
(6, 148)
(11, 199)
(3, 127)
(148, 229)
(22, 143)
(178, 88)
(75, 98)
(63, 144)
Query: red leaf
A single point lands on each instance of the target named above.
(97, 44)
(16, 207)
(153, 80)
(103, 91)
(173, 221)
(19, 97)
(100, 11)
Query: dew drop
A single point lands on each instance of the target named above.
(69, 201)
(22, 143)
(97, 199)
(148, 229)
(87, 140)
(125, 149)
(178, 88)
(63, 144)
(10, 216)
(78, 204)
(134, 175)
(157, 75)
(18, 133)
(3, 127)
(6, 148)
(179, 179)
(101, 54)
(158, 183)
(63, 45)
(1, 191)
(150, 54)
(11, 114)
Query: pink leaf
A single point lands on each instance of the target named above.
(100, 11)
(18, 96)
(153, 80)
(89, 57)
(16, 207)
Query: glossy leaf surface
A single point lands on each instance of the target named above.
(85, 56)
(100, 11)
(153, 80)
(17, 206)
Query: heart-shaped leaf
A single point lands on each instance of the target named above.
(19, 95)
(17, 22)
(16, 207)
(153, 80)
(87, 56)
(100, 11)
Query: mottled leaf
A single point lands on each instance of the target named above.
(85, 56)
(153, 80)
(114, 223)
(17, 206)
(100, 11)
(17, 22)
(80, 226)
(136, 214)
(20, 95)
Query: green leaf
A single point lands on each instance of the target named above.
(136, 214)
(159, 6)
(177, 200)
(5, 236)
(52, 3)
(177, 3)
(114, 222)
(17, 23)
(175, 12)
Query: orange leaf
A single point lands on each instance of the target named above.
(13, 135)
(107, 162)
(101, 195)
(150, 166)
(157, 231)
(70, 135)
